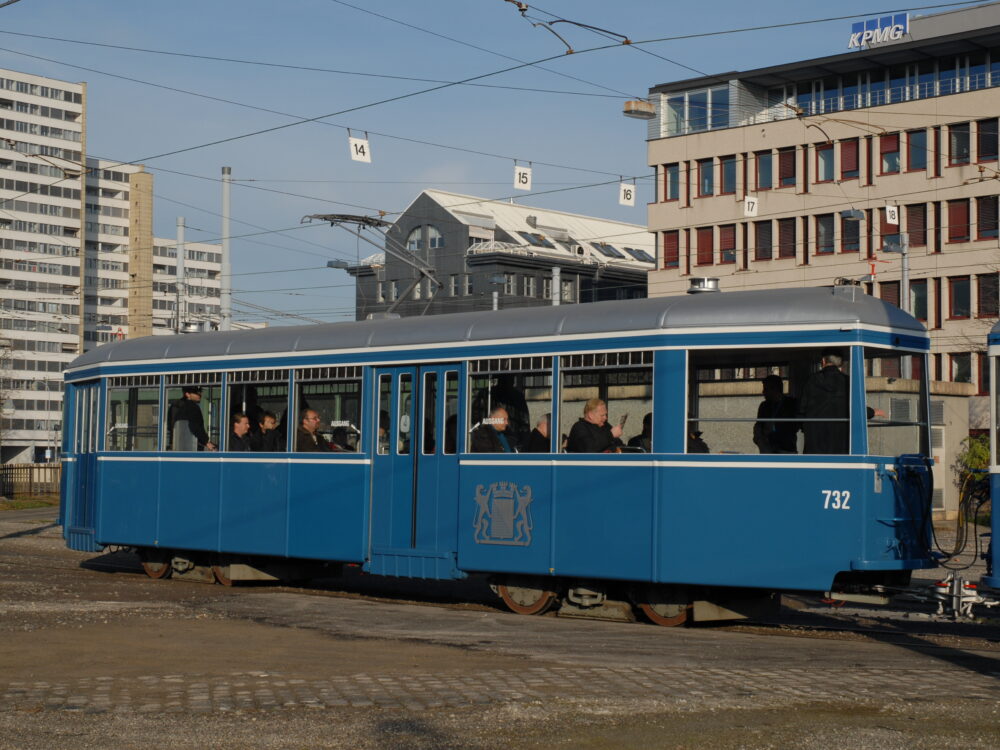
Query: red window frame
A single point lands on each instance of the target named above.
(727, 243)
(786, 238)
(987, 139)
(759, 249)
(786, 167)
(823, 148)
(910, 148)
(953, 130)
(987, 218)
(952, 282)
(705, 167)
(888, 144)
(666, 182)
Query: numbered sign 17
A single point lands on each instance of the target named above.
(522, 178)
(749, 206)
(360, 150)
(626, 194)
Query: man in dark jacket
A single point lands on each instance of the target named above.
(307, 437)
(539, 440)
(490, 436)
(825, 396)
(239, 429)
(770, 436)
(268, 438)
(187, 424)
(592, 433)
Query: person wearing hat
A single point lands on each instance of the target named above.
(187, 424)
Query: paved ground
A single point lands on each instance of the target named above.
(91, 658)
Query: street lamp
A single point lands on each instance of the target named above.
(343, 265)
(497, 280)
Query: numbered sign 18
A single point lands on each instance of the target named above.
(360, 150)
(626, 194)
(749, 206)
(892, 215)
(522, 178)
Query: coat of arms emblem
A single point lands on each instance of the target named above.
(503, 514)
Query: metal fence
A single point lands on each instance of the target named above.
(29, 479)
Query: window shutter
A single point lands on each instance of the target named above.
(986, 208)
(706, 251)
(889, 291)
(786, 238)
(916, 224)
(727, 243)
(671, 249)
(958, 220)
(848, 156)
(889, 144)
(786, 166)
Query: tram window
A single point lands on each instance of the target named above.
(897, 422)
(384, 405)
(256, 393)
(404, 423)
(335, 394)
(765, 401)
(522, 386)
(450, 411)
(210, 404)
(622, 380)
(133, 413)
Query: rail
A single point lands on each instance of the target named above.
(29, 479)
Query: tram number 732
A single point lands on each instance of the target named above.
(836, 499)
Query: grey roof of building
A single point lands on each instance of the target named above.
(836, 306)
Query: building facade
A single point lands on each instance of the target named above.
(475, 247)
(814, 171)
(76, 250)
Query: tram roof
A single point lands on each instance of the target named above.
(781, 308)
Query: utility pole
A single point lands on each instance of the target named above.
(179, 283)
(556, 285)
(225, 291)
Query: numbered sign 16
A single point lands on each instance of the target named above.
(522, 178)
(626, 194)
(360, 150)
(749, 206)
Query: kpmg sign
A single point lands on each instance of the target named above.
(879, 30)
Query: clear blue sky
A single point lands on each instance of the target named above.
(130, 121)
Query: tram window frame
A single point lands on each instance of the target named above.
(431, 417)
(261, 381)
(892, 400)
(383, 420)
(506, 381)
(210, 384)
(141, 428)
(736, 392)
(310, 381)
(405, 389)
(586, 376)
(451, 403)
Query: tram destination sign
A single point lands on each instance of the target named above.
(879, 30)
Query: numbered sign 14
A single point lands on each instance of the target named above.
(522, 178)
(360, 149)
(626, 194)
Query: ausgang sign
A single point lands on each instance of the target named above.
(879, 30)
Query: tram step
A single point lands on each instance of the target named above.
(609, 609)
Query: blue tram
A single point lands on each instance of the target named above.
(992, 578)
(694, 516)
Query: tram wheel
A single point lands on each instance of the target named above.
(156, 563)
(526, 601)
(665, 615)
(221, 573)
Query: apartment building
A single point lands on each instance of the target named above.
(813, 171)
(76, 258)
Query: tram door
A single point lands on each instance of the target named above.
(80, 481)
(415, 470)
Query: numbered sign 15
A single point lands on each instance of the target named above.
(360, 150)
(522, 178)
(626, 194)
